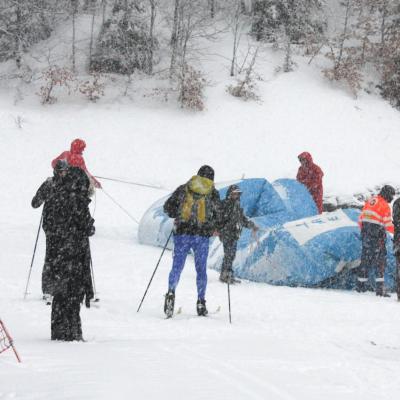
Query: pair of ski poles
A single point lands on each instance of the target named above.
(91, 261)
(155, 270)
(96, 299)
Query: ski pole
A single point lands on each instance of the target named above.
(9, 338)
(154, 272)
(119, 205)
(229, 302)
(131, 183)
(33, 256)
(96, 299)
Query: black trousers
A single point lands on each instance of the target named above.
(230, 248)
(373, 255)
(398, 275)
(47, 287)
(65, 319)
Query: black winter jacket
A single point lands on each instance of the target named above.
(71, 226)
(396, 222)
(233, 220)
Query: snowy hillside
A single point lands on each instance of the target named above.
(283, 343)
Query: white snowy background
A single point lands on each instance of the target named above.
(283, 343)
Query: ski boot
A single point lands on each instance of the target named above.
(381, 290)
(169, 304)
(361, 286)
(227, 277)
(201, 308)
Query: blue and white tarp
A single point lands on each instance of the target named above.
(295, 246)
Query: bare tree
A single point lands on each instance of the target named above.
(236, 29)
(74, 12)
(191, 21)
(212, 8)
(93, 11)
(153, 9)
(174, 36)
(104, 8)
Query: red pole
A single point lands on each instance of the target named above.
(10, 340)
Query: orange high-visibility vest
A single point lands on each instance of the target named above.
(377, 211)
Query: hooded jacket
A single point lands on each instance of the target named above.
(310, 175)
(72, 225)
(233, 219)
(74, 158)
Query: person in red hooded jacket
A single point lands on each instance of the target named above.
(310, 175)
(74, 158)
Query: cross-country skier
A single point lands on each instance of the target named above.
(43, 196)
(233, 220)
(310, 175)
(396, 242)
(71, 277)
(74, 158)
(375, 220)
(195, 207)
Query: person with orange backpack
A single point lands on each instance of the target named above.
(375, 220)
(74, 158)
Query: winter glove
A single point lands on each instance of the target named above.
(92, 231)
(396, 247)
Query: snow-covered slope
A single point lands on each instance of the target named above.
(283, 343)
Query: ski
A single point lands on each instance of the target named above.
(216, 311)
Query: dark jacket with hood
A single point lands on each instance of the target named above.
(72, 225)
(195, 206)
(233, 219)
(396, 223)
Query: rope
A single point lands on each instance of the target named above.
(119, 205)
(131, 183)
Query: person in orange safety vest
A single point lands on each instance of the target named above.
(375, 220)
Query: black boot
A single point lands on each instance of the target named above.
(380, 290)
(201, 308)
(169, 304)
(227, 277)
(361, 286)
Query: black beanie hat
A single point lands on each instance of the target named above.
(388, 192)
(206, 172)
(61, 165)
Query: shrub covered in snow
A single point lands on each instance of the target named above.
(191, 88)
(93, 88)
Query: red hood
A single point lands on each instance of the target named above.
(306, 156)
(77, 146)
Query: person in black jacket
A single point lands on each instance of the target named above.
(70, 252)
(233, 220)
(43, 196)
(195, 207)
(396, 243)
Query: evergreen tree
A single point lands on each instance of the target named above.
(124, 44)
(295, 19)
(22, 24)
(390, 59)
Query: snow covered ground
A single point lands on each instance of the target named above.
(284, 343)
